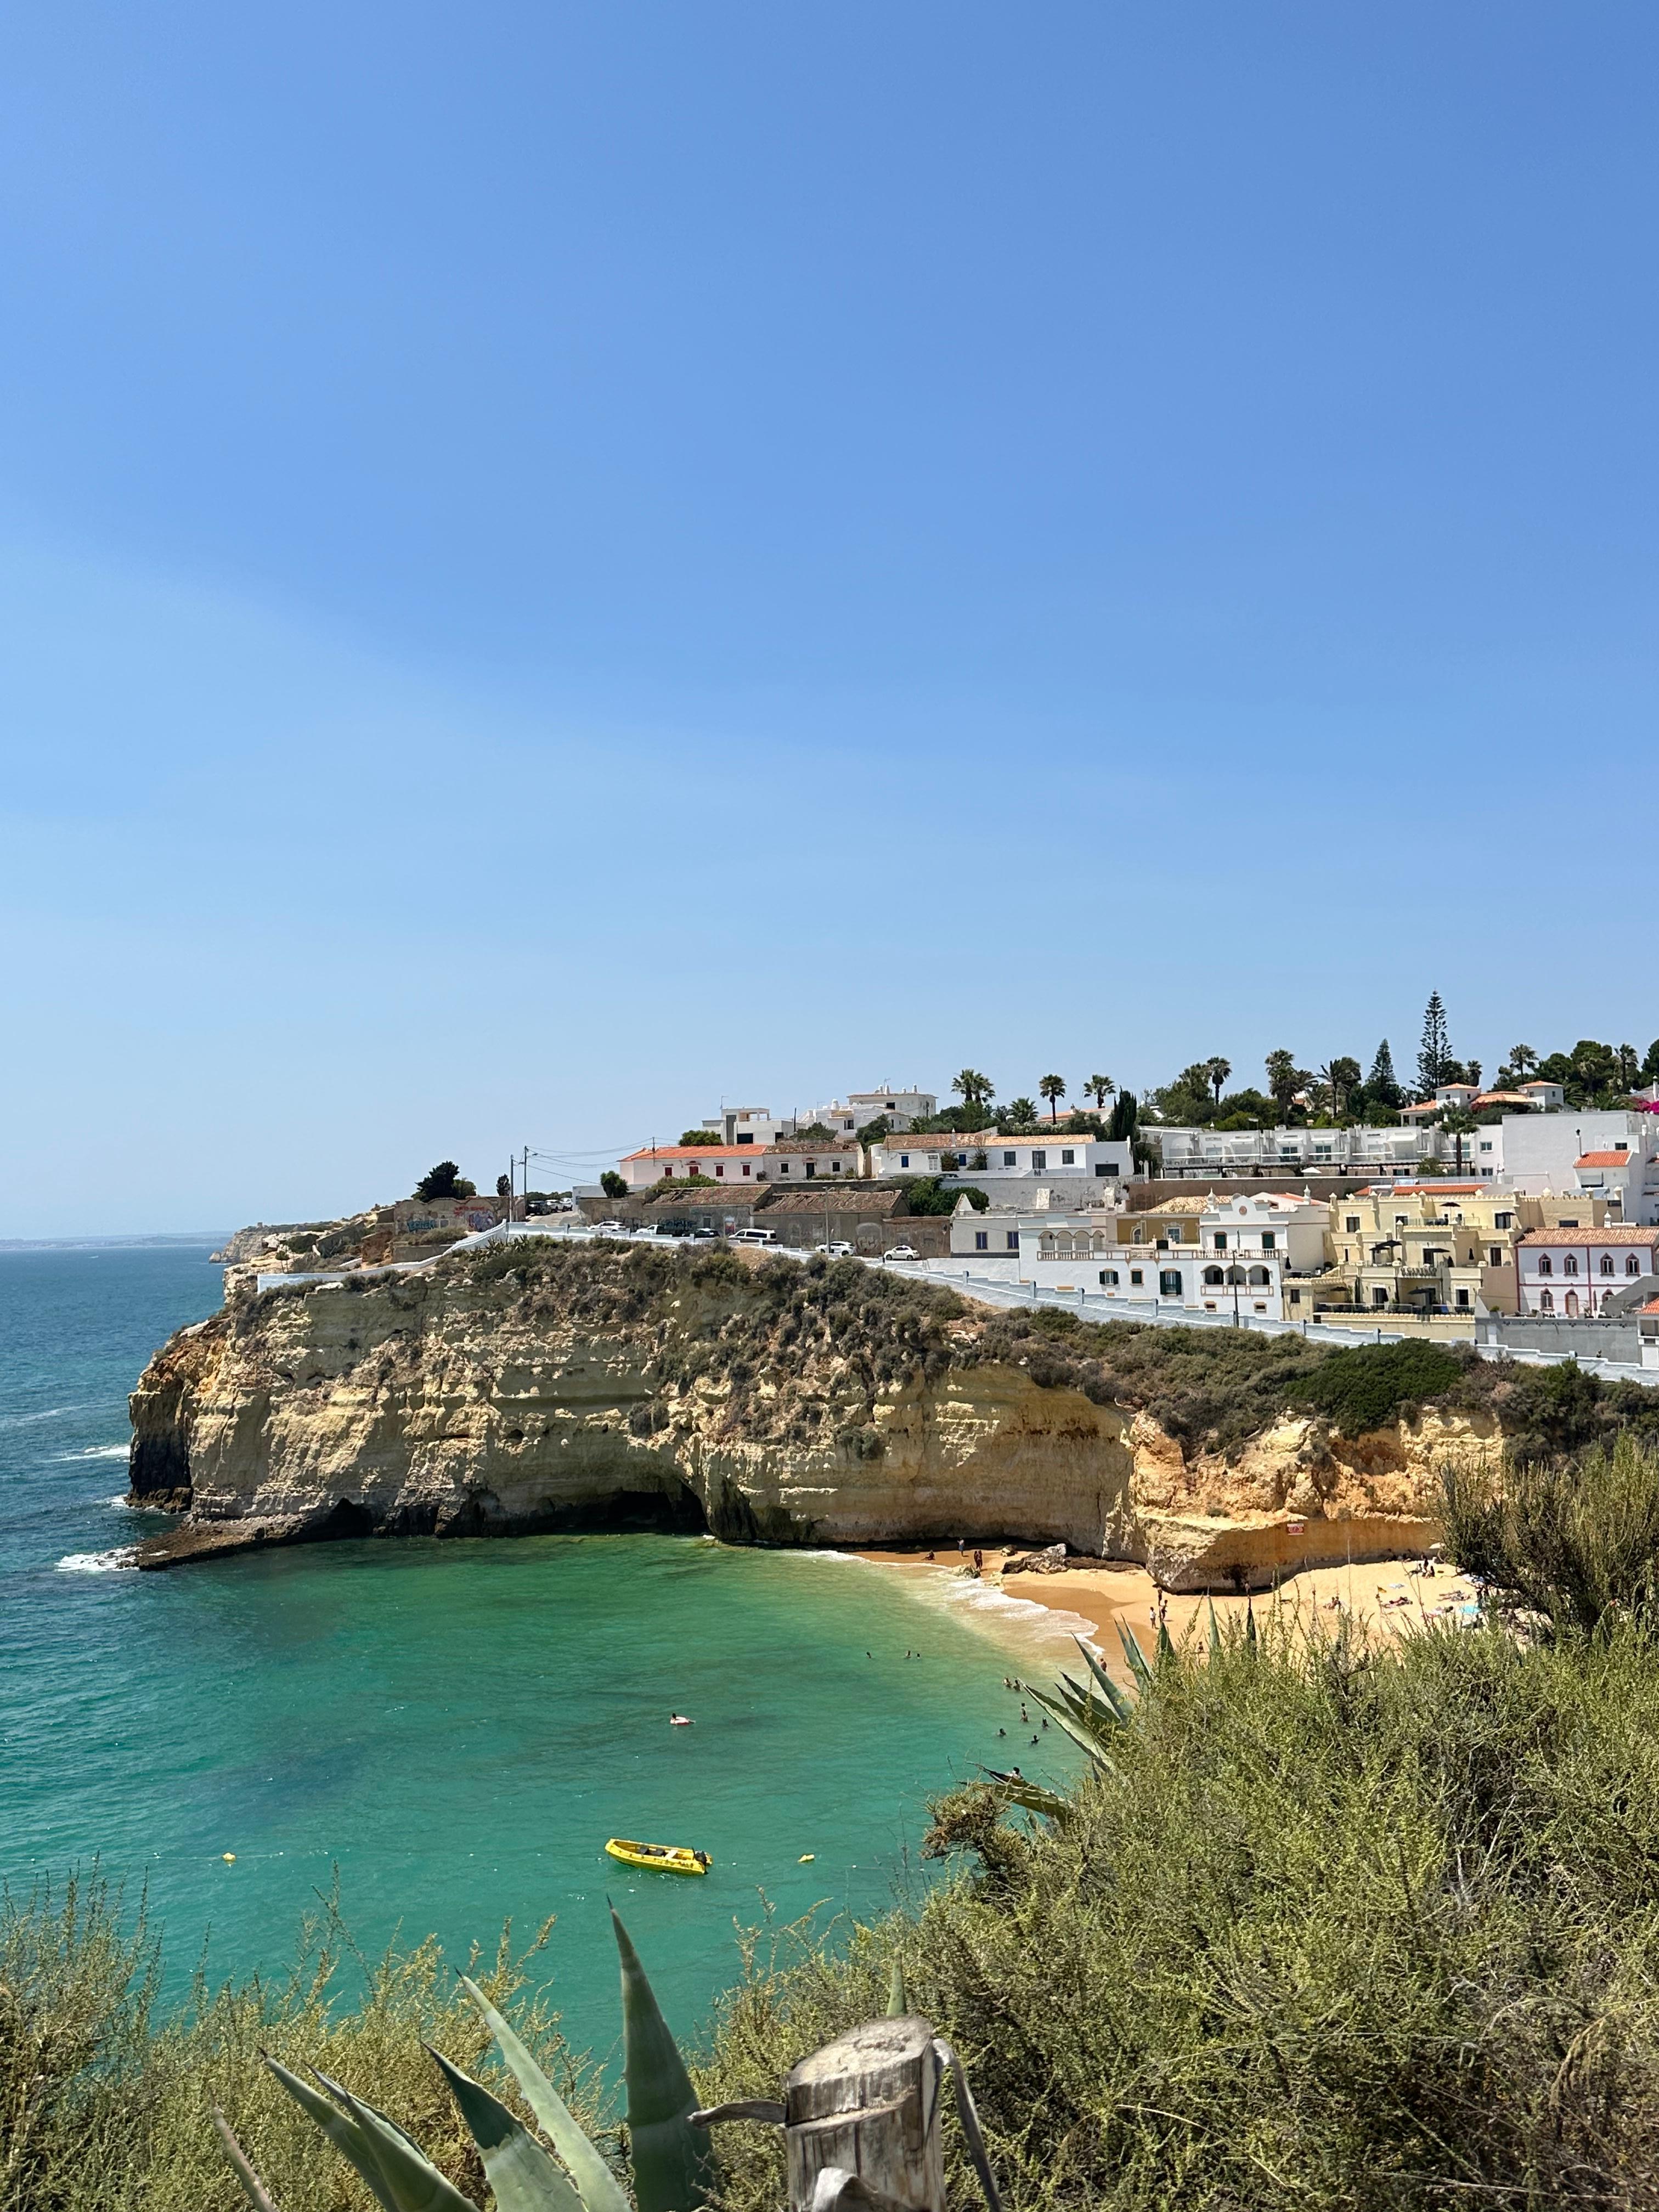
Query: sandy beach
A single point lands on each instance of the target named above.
(1090, 1601)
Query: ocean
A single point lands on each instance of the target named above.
(450, 1731)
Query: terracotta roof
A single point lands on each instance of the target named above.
(867, 1200)
(1605, 1160)
(1611, 1232)
(697, 1153)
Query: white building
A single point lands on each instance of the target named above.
(1007, 1169)
(748, 1124)
(1542, 1153)
(1292, 1152)
(1570, 1271)
(789, 1162)
(859, 1108)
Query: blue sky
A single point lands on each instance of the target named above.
(558, 566)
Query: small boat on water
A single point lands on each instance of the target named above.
(664, 1858)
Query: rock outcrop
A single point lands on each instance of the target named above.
(534, 1388)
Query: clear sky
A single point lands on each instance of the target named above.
(558, 563)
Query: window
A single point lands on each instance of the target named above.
(745, 1136)
(1545, 1265)
(1607, 1263)
(1259, 1276)
(1009, 1160)
(1137, 1276)
(1569, 1265)
(1462, 1296)
(1547, 1302)
(1212, 1275)
(1220, 1240)
(904, 1159)
(1295, 1298)
(1495, 1255)
(1103, 1167)
(783, 1168)
(1069, 1159)
(1632, 1266)
(1353, 1224)
(1486, 1144)
(1039, 1161)
(1013, 1240)
(812, 1168)
(1379, 1298)
(1502, 1221)
(835, 1167)
(1269, 1240)
(747, 1169)
(982, 1240)
(1109, 1276)
(1565, 1223)
(1175, 1232)
(1169, 1283)
(720, 1167)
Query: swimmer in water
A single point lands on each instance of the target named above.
(679, 1720)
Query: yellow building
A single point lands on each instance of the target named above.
(1435, 1246)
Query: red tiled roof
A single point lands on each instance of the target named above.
(1604, 1160)
(698, 1153)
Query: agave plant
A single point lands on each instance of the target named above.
(672, 2168)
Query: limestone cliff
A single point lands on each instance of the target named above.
(535, 1388)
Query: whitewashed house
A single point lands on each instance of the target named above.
(1008, 1168)
(1543, 1151)
(1571, 1272)
(1203, 1151)
(847, 1116)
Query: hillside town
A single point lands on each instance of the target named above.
(1523, 1215)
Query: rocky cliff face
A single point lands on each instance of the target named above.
(544, 1388)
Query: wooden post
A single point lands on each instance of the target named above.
(867, 2106)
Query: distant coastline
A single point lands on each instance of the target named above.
(162, 1239)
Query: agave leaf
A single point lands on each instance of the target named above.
(1135, 1656)
(1087, 1739)
(1250, 1624)
(344, 2130)
(1032, 1797)
(1119, 1700)
(521, 2173)
(673, 2166)
(600, 2189)
(898, 1997)
(1215, 1633)
(415, 2184)
(252, 2188)
(1165, 1649)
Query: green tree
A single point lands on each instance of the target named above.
(975, 1090)
(1053, 1088)
(1125, 1112)
(612, 1184)
(1630, 1067)
(1100, 1089)
(1217, 1071)
(1020, 1112)
(1434, 1050)
(445, 1180)
(1651, 1065)
(1458, 1123)
(700, 1136)
(1341, 1078)
(1523, 1062)
(1381, 1084)
(1285, 1080)
(503, 1186)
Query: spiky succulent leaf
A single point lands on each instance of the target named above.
(1165, 1649)
(1250, 1624)
(415, 2184)
(345, 2131)
(898, 1997)
(1215, 1633)
(672, 2168)
(598, 2188)
(1121, 1703)
(252, 2188)
(521, 2173)
(1135, 1656)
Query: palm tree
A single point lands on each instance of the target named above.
(1100, 1089)
(1523, 1060)
(1053, 1088)
(1021, 1112)
(1458, 1124)
(973, 1089)
(1218, 1070)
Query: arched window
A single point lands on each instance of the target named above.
(1569, 1265)
(1607, 1263)
(1235, 1275)
(1632, 1266)
(1547, 1302)
(1545, 1265)
(1260, 1275)
(1572, 1305)
(1212, 1275)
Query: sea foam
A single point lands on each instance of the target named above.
(99, 1563)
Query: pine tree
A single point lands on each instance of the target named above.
(1435, 1048)
(1382, 1083)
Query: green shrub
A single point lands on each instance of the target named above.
(1357, 1930)
(1375, 1384)
(1576, 1543)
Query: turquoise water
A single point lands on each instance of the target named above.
(456, 1728)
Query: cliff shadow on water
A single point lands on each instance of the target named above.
(536, 1388)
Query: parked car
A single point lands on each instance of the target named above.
(902, 1252)
(842, 1252)
(754, 1237)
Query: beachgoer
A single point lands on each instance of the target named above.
(1002, 1731)
(679, 1720)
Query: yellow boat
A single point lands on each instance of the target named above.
(663, 1858)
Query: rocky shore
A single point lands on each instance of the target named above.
(532, 1389)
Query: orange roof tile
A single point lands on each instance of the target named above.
(1604, 1160)
(1611, 1232)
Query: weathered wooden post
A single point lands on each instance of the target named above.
(861, 2122)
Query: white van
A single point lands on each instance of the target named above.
(754, 1236)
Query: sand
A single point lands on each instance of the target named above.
(1102, 1593)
